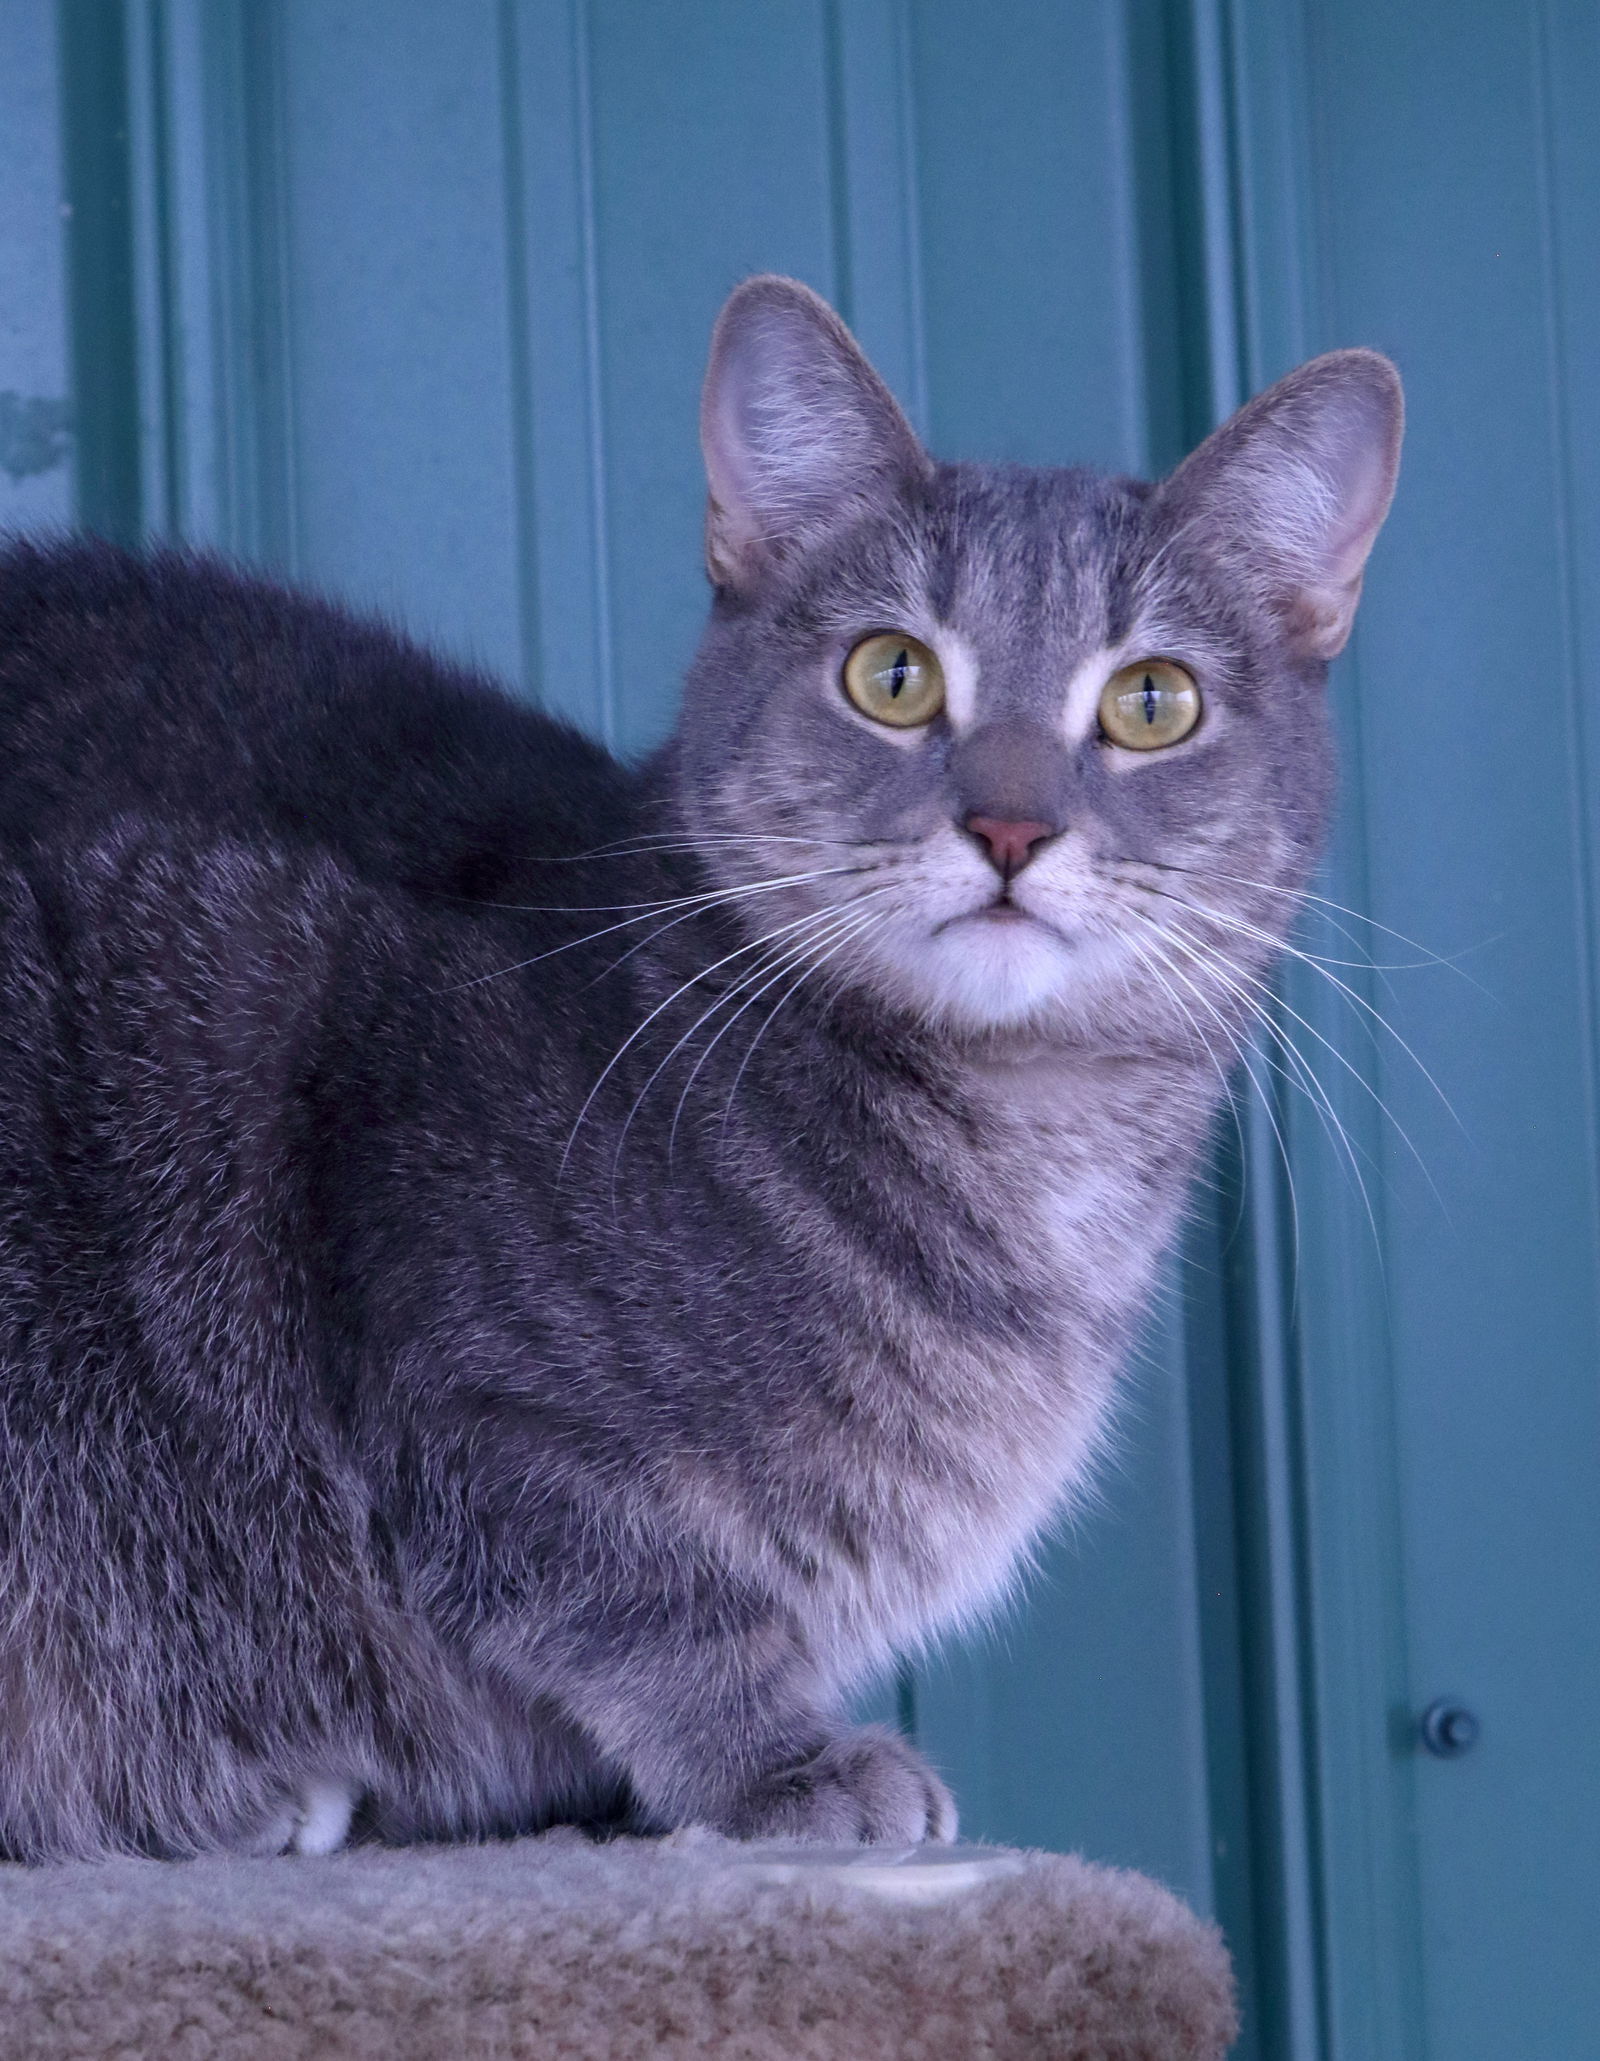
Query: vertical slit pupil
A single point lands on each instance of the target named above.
(899, 672)
(1149, 699)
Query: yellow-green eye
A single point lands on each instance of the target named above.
(1149, 705)
(894, 679)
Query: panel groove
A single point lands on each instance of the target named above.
(564, 554)
(102, 298)
(155, 283)
(1564, 525)
(874, 200)
(514, 178)
(594, 392)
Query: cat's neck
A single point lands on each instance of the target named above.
(1045, 1080)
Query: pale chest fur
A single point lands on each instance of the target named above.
(965, 1448)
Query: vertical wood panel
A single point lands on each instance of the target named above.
(1028, 236)
(101, 284)
(877, 257)
(1462, 1385)
(1339, 1472)
(216, 429)
(416, 299)
(560, 423)
(398, 316)
(35, 447)
(710, 162)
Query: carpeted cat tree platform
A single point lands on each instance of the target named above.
(556, 1950)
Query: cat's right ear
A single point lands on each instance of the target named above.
(1299, 482)
(799, 433)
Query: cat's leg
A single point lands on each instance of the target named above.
(721, 1733)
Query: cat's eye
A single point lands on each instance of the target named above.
(895, 679)
(1149, 705)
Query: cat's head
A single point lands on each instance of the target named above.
(1024, 753)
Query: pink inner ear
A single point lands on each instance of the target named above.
(796, 427)
(1302, 477)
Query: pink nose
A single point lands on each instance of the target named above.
(1011, 845)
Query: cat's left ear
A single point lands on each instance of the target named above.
(799, 433)
(1300, 481)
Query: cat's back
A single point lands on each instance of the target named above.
(176, 693)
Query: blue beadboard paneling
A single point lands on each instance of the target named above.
(398, 318)
(1030, 240)
(35, 449)
(1450, 1396)
(95, 156)
(559, 423)
(1474, 699)
(205, 120)
(710, 145)
(875, 191)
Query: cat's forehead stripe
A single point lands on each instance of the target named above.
(1074, 710)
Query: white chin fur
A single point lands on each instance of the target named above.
(981, 975)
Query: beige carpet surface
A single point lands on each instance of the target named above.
(555, 1948)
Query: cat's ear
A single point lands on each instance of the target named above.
(1300, 481)
(799, 433)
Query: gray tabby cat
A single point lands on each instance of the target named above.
(523, 1280)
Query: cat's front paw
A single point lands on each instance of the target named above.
(865, 1787)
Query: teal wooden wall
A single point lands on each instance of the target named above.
(409, 298)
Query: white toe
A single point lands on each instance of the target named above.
(325, 1809)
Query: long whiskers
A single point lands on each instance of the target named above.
(649, 939)
(750, 945)
(677, 841)
(1145, 944)
(1228, 921)
(1238, 982)
(1305, 895)
(691, 905)
(874, 919)
(853, 921)
(819, 928)
(1231, 974)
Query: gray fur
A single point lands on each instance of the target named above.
(461, 1351)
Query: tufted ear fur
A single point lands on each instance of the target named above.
(799, 433)
(1299, 482)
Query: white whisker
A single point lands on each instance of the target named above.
(878, 916)
(1218, 961)
(853, 920)
(1266, 937)
(711, 898)
(825, 919)
(752, 944)
(1304, 1076)
(1241, 1053)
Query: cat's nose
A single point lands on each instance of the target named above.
(1011, 844)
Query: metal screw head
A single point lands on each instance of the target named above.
(1449, 1729)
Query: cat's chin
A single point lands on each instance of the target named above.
(988, 972)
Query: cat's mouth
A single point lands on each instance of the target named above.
(1002, 912)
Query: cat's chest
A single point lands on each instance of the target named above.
(1083, 1167)
(972, 1438)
